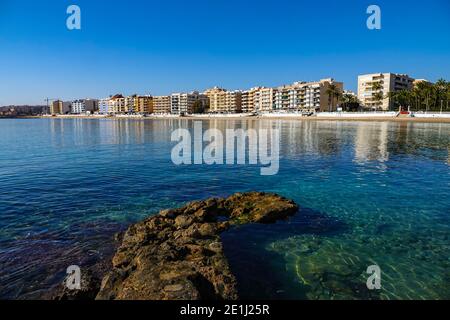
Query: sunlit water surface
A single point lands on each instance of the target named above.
(370, 193)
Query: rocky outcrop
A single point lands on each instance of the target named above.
(178, 254)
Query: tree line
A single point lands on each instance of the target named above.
(424, 96)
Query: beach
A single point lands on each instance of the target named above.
(425, 119)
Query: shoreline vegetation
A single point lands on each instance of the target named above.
(344, 116)
(178, 253)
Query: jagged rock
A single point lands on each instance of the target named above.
(178, 254)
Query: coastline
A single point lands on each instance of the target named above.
(272, 117)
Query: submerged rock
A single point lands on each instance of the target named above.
(178, 254)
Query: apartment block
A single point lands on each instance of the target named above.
(83, 106)
(372, 87)
(138, 104)
(248, 100)
(299, 96)
(144, 104)
(284, 98)
(103, 106)
(56, 107)
(264, 99)
(183, 103)
(161, 104)
(223, 101)
(216, 98)
(117, 104)
(313, 96)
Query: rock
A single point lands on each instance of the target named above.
(215, 246)
(171, 214)
(208, 230)
(90, 286)
(183, 221)
(259, 207)
(173, 288)
(178, 254)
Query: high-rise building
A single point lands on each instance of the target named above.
(56, 107)
(374, 89)
(264, 100)
(83, 106)
(314, 96)
(183, 103)
(299, 96)
(284, 98)
(161, 104)
(103, 106)
(248, 100)
(117, 104)
(139, 104)
(223, 101)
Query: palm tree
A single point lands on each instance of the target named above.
(424, 96)
(393, 96)
(415, 98)
(334, 93)
(441, 88)
(447, 95)
(426, 92)
(349, 101)
(377, 96)
(401, 98)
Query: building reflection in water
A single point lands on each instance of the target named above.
(371, 142)
(358, 141)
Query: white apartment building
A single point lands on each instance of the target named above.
(264, 100)
(103, 106)
(84, 106)
(388, 82)
(300, 96)
(248, 100)
(183, 103)
(285, 98)
(313, 96)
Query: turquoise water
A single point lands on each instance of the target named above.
(370, 193)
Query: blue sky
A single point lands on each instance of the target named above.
(160, 47)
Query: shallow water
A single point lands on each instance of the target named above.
(370, 193)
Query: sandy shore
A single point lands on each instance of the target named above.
(290, 118)
(377, 119)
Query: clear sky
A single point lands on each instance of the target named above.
(159, 47)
